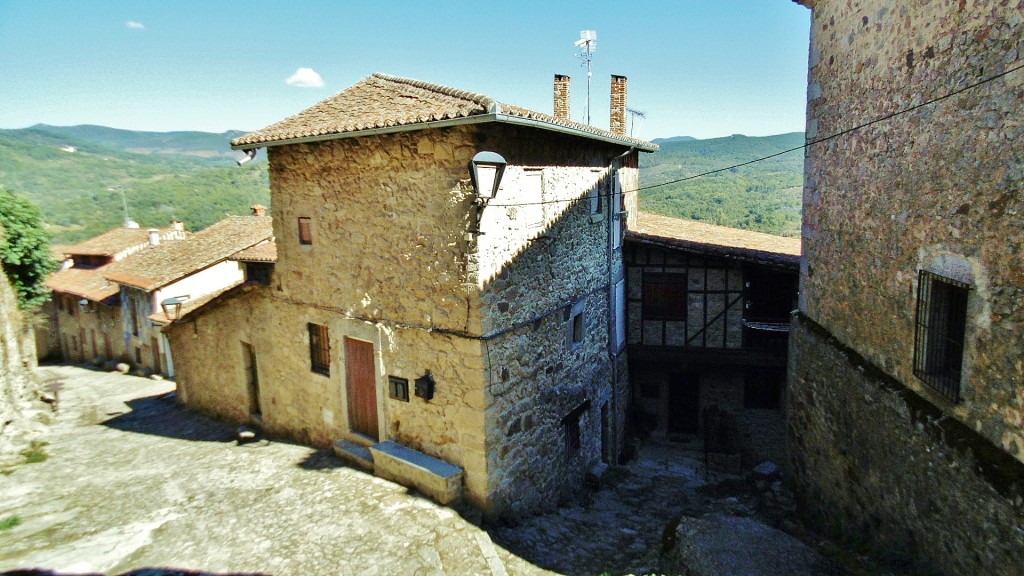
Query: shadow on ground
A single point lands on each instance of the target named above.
(160, 416)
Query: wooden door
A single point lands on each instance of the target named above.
(362, 387)
(156, 354)
(684, 404)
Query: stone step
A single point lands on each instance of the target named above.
(354, 453)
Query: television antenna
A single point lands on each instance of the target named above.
(633, 115)
(587, 45)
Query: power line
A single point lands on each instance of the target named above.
(802, 147)
(840, 133)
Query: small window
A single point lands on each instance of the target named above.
(941, 327)
(135, 317)
(577, 328)
(305, 230)
(595, 199)
(571, 429)
(319, 349)
(398, 388)
(664, 296)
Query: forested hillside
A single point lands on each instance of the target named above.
(764, 196)
(76, 176)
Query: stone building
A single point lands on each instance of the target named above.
(465, 344)
(906, 389)
(708, 323)
(86, 307)
(179, 271)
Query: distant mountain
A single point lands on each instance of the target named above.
(764, 196)
(200, 144)
(673, 139)
(76, 176)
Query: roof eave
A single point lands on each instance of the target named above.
(463, 121)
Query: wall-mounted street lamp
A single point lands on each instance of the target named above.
(488, 167)
(172, 308)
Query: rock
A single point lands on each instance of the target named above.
(722, 544)
(123, 367)
(246, 435)
(156, 377)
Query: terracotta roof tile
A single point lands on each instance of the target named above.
(265, 252)
(114, 242)
(160, 265)
(383, 101)
(83, 282)
(715, 240)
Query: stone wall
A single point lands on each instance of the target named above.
(877, 453)
(936, 188)
(78, 327)
(394, 261)
(883, 469)
(17, 358)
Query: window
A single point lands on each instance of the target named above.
(319, 349)
(398, 388)
(619, 331)
(576, 325)
(616, 211)
(664, 296)
(941, 326)
(135, 316)
(571, 429)
(305, 230)
(595, 199)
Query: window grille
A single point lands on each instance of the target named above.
(941, 325)
(319, 349)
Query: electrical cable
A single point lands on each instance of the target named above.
(802, 147)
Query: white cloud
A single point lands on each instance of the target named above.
(134, 25)
(305, 78)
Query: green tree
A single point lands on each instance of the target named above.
(24, 249)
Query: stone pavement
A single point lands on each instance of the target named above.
(134, 481)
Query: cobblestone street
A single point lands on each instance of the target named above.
(133, 481)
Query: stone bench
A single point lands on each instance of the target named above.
(435, 478)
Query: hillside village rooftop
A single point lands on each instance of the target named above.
(380, 104)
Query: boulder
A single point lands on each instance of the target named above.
(720, 544)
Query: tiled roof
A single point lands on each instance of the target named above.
(381, 101)
(115, 241)
(160, 265)
(265, 252)
(84, 283)
(715, 240)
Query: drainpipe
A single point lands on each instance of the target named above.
(614, 355)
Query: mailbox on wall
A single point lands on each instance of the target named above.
(425, 386)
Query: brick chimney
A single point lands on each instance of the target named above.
(617, 124)
(259, 210)
(562, 97)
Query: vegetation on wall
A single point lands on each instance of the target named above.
(24, 249)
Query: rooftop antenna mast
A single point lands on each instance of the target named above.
(587, 45)
(634, 114)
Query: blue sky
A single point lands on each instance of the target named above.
(702, 68)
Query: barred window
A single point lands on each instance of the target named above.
(319, 349)
(941, 326)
